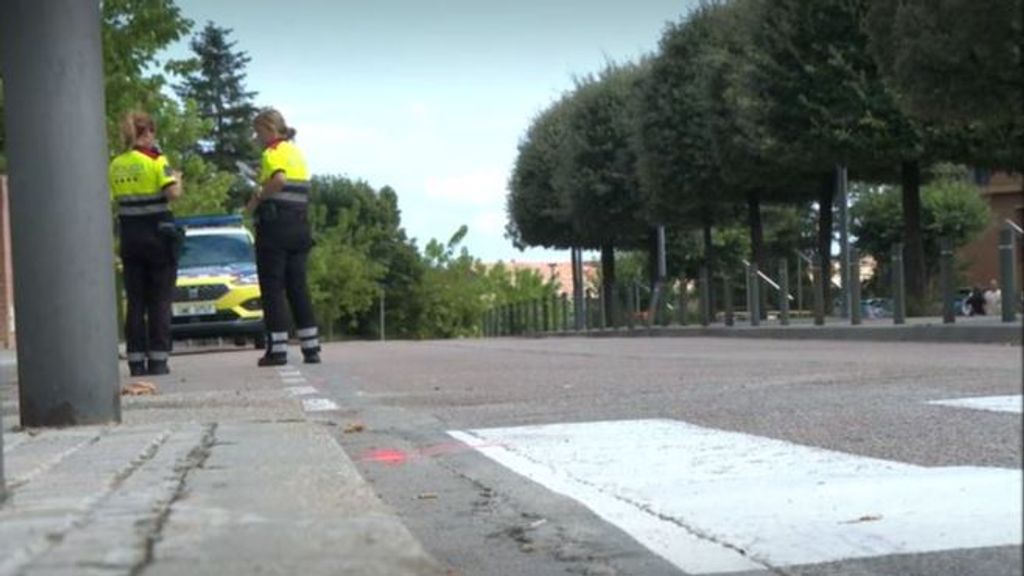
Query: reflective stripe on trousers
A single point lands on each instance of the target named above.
(309, 337)
(278, 342)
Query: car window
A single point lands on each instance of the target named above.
(215, 250)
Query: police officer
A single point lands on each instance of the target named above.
(143, 184)
(283, 240)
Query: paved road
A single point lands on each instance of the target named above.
(665, 456)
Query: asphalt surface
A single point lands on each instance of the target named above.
(478, 517)
(399, 403)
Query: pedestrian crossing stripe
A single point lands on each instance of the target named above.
(712, 501)
(1011, 404)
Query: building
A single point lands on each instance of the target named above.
(1004, 194)
(561, 272)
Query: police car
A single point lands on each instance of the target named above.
(217, 294)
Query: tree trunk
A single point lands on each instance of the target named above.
(608, 281)
(757, 243)
(825, 198)
(913, 255)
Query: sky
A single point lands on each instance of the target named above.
(429, 97)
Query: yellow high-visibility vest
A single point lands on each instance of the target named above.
(137, 181)
(284, 156)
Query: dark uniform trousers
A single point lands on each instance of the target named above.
(283, 242)
(149, 257)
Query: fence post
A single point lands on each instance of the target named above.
(783, 292)
(727, 297)
(799, 283)
(704, 294)
(630, 304)
(1008, 289)
(899, 294)
(565, 312)
(683, 301)
(854, 276)
(946, 279)
(755, 295)
(819, 295)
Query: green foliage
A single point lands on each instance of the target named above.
(134, 32)
(205, 189)
(538, 209)
(958, 63)
(215, 80)
(597, 167)
(823, 92)
(950, 208)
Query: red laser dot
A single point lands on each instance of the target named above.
(386, 456)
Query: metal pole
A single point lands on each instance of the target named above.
(855, 316)
(630, 304)
(755, 295)
(546, 323)
(1007, 289)
(578, 287)
(946, 278)
(799, 284)
(819, 295)
(683, 301)
(783, 292)
(383, 327)
(61, 228)
(602, 307)
(899, 294)
(565, 312)
(704, 295)
(727, 296)
(844, 240)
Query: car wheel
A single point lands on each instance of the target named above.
(240, 341)
(259, 342)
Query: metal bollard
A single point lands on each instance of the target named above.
(546, 325)
(755, 295)
(783, 292)
(819, 295)
(946, 280)
(727, 296)
(855, 315)
(1007, 288)
(899, 293)
(704, 294)
(539, 304)
(630, 305)
(565, 312)
(683, 301)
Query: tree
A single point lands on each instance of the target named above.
(951, 207)
(826, 95)
(134, 32)
(598, 167)
(538, 209)
(215, 80)
(958, 63)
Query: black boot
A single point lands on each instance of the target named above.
(137, 368)
(273, 359)
(158, 368)
(311, 356)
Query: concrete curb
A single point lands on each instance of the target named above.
(1006, 334)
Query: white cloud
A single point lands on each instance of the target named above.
(480, 188)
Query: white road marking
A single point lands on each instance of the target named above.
(699, 496)
(1013, 404)
(301, 391)
(318, 405)
(293, 381)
